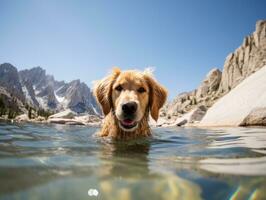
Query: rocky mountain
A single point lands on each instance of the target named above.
(244, 61)
(204, 97)
(9, 79)
(41, 91)
(77, 96)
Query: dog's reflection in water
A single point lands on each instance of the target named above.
(126, 174)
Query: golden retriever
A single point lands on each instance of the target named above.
(127, 98)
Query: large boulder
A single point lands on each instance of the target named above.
(22, 118)
(257, 117)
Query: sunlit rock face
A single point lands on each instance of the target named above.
(244, 61)
(243, 105)
(210, 84)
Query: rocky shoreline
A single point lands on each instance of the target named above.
(66, 117)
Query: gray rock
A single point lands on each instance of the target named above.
(181, 122)
(257, 117)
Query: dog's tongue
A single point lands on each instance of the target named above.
(128, 122)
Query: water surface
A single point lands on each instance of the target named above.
(68, 162)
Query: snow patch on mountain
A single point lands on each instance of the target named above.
(27, 95)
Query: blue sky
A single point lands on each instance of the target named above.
(83, 39)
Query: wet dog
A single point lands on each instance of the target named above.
(127, 99)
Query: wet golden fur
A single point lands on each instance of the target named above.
(149, 102)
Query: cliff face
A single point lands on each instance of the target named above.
(244, 61)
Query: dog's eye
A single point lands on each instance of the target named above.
(141, 90)
(119, 88)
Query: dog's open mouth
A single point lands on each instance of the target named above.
(128, 123)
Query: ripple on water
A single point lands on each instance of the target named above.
(216, 163)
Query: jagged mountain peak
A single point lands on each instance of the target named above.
(8, 66)
(41, 90)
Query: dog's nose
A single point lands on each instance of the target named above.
(130, 107)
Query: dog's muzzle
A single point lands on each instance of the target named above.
(129, 113)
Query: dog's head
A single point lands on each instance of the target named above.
(130, 94)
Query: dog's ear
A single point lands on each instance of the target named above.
(157, 96)
(103, 90)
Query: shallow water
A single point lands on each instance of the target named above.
(69, 162)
